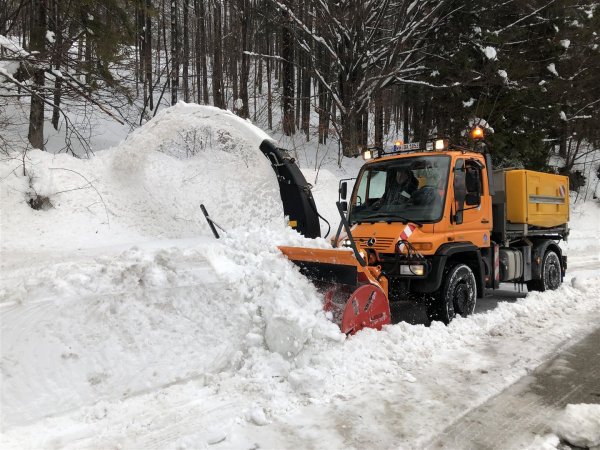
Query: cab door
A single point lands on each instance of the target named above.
(472, 220)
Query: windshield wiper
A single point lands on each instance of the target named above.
(391, 215)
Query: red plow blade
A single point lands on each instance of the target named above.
(366, 307)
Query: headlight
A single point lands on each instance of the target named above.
(346, 243)
(413, 269)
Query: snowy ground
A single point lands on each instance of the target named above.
(126, 324)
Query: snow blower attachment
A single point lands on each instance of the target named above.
(354, 293)
(298, 202)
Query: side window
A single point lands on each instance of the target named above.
(372, 186)
(473, 184)
(377, 184)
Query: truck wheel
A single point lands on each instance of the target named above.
(550, 274)
(457, 295)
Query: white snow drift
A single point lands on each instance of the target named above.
(126, 324)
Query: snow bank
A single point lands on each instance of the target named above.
(151, 185)
(87, 316)
(580, 425)
(122, 316)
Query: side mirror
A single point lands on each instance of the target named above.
(343, 190)
(344, 206)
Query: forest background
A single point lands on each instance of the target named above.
(348, 73)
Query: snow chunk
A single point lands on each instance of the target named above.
(257, 416)
(580, 284)
(579, 425)
(468, 103)
(546, 442)
(490, 53)
(562, 116)
(409, 377)
(285, 335)
(307, 381)
(552, 69)
(503, 74)
(50, 36)
(565, 43)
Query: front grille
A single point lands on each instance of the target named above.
(381, 244)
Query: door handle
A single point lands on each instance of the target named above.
(485, 221)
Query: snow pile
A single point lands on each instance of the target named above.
(115, 320)
(151, 185)
(114, 327)
(126, 324)
(579, 425)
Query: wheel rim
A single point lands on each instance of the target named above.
(462, 298)
(552, 272)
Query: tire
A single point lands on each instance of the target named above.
(457, 295)
(550, 274)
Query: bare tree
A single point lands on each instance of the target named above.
(358, 47)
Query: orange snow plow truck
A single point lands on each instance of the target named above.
(436, 224)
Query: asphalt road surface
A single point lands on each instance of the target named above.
(527, 410)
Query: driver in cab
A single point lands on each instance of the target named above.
(400, 190)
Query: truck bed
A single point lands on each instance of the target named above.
(529, 203)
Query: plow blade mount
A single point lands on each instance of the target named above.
(352, 294)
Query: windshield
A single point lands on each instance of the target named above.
(408, 189)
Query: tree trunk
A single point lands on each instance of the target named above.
(218, 97)
(186, 51)
(56, 57)
(287, 53)
(269, 95)
(37, 44)
(174, 53)
(350, 118)
(378, 120)
(148, 53)
(405, 114)
(245, 69)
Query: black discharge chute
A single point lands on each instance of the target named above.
(298, 202)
